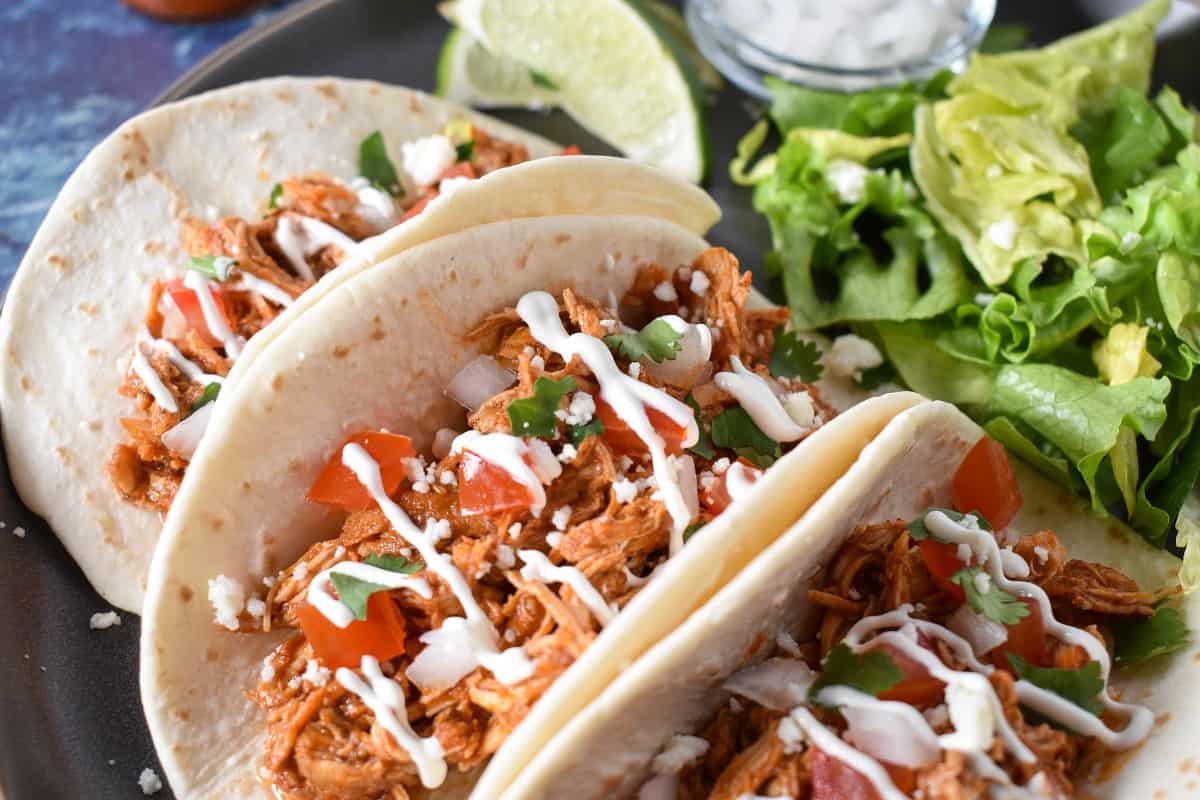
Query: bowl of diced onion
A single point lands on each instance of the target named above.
(842, 45)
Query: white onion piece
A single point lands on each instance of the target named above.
(444, 661)
(984, 635)
(685, 469)
(443, 440)
(479, 381)
(892, 732)
(779, 684)
(694, 353)
(185, 437)
(660, 787)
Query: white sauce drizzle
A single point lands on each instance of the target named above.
(385, 698)
(299, 237)
(154, 384)
(213, 318)
(478, 635)
(374, 205)
(539, 568)
(739, 480)
(627, 396)
(191, 370)
(249, 283)
(337, 612)
(755, 395)
(829, 742)
(508, 452)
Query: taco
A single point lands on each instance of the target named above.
(196, 225)
(462, 495)
(912, 636)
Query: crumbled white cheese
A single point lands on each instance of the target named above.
(707, 480)
(268, 670)
(149, 782)
(436, 530)
(506, 557)
(971, 713)
(624, 490)
(1042, 554)
(452, 185)
(679, 752)
(665, 292)
(1003, 234)
(414, 468)
(850, 354)
(315, 674)
(538, 363)
(581, 410)
(448, 478)
(228, 598)
(791, 734)
(635, 369)
(269, 581)
(561, 517)
(848, 179)
(554, 539)
(608, 324)
(1130, 240)
(425, 159)
(799, 406)
(256, 608)
(103, 620)
(300, 572)
(700, 283)
(420, 487)
(720, 465)
(514, 530)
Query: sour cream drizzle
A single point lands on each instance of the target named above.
(627, 396)
(829, 742)
(213, 317)
(190, 369)
(337, 612)
(509, 667)
(739, 480)
(539, 568)
(509, 454)
(385, 698)
(299, 237)
(755, 395)
(154, 384)
(249, 283)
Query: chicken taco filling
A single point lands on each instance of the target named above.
(244, 272)
(466, 579)
(952, 658)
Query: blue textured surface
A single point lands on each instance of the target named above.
(70, 72)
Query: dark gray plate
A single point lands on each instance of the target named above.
(70, 718)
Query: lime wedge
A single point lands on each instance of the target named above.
(469, 74)
(615, 67)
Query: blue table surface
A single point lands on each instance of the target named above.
(70, 72)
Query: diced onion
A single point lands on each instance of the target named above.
(445, 661)
(442, 442)
(685, 469)
(891, 732)
(479, 381)
(779, 684)
(185, 437)
(660, 787)
(983, 634)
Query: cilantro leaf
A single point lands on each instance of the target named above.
(578, 433)
(703, 446)
(658, 342)
(871, 379)
(992, 602)
(276, 193)
(1141, 640)
(207, 396)
(541, 80)
(691, 530)
(918, 531)
(354, 592)
(793, 357)
(464, 150)
(733, 428)
(534, 416)
(375, 166)
(871, 672)
(1080, 686)
(214, 267)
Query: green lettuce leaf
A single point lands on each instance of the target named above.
(879, 112)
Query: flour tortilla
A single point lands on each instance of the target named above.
(242, 513)
(605, 751)
(75, 305)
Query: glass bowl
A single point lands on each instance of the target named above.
(746, 62)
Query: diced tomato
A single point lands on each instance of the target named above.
(716, 498)
(381, 634)
(189, 306)
(484, 488)
(834, 779)
(337, 486)
(571, 150)
(460, 169)
(420, 205)
(985, 483)
(941, 559)
(1027, 638)
(916, 687)
(621, 438)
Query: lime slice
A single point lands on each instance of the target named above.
(469, 74)
(670, 17)
(618, 69)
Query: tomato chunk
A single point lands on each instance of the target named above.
(381, 634)
(717, 497)
(1027, 638)
(916, 687)
(189, 306)
(460, 169)
(622, 439)
(941, 559)
(834, 779)
(571, 150)
(985, 483)
(484, 488)
(420, 205)
(337, 486)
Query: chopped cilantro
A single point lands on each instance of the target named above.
(578, 433)
(703, 446)
(375, 166)
(541, 80)
(690, 530)
(658, 342)
(354, 592)
(871, 379)
(1140, 640)
(276, 193)
(871, 672)
(534, 416)
(793, 357)
(918, 531)
(207, 396)
(993, 603)
(214, 267)
(734, 429)
(464, 150)
(1081, 686)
